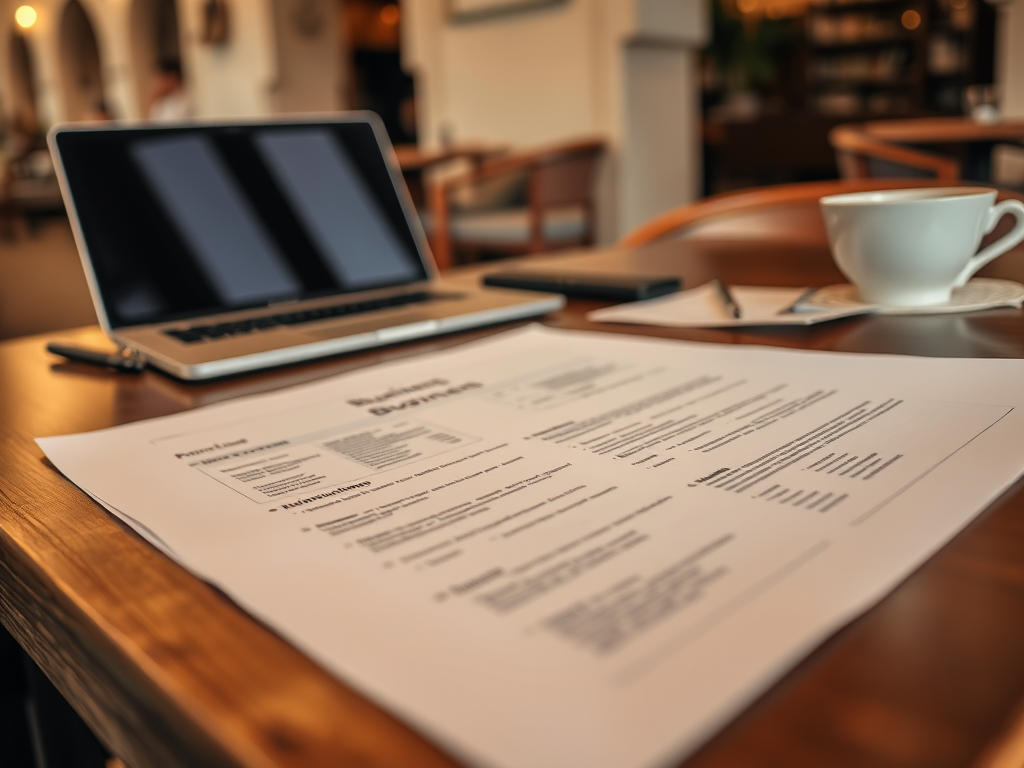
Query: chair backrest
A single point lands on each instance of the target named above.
(564, 175)
(787, 213)
(557, 175)
(855, 147)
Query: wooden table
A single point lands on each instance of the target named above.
(170, 673)
(945, 130)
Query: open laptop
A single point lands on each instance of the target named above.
(216, 249)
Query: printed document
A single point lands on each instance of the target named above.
(554, 548)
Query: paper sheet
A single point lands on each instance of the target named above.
(702, 307)
(553, 548)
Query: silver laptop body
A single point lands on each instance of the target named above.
(214, 249)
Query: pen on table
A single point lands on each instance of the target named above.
(795, 306)
(118, 361)
(727, 300)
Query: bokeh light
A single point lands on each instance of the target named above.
(911, 19)
(389, 14)
(26, 16)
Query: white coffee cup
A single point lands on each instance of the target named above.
(912, 247)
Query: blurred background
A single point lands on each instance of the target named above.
(644, 105)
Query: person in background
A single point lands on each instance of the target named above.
(168, 102)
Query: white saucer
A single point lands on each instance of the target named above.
(979, 293)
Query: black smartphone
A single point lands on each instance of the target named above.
(587, 286)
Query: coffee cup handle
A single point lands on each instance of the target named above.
(1016, 209)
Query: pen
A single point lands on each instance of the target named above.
(728, 301)
(795, 306)
(121, 362)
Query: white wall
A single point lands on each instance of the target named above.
(235, 78)
(524, 78)
(308, 56)
(1010, 57)
(267, 66)
(1008, 166)
(623, 70)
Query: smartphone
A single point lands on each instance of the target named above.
(587, 286)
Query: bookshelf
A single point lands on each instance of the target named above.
(888, 58)
(841, 61)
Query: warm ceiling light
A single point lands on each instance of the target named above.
(389, 14)
(911, 19)
(747, 6)
(26, 16)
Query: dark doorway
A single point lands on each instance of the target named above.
(376, 80)
(81, 72)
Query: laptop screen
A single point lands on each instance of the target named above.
(185, 222)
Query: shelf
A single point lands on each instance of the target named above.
(856, 45)
(859, 49)
(942, 28)
(876, 83)
(863, 115)
(861, 5)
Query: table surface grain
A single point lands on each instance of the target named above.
(169, 672)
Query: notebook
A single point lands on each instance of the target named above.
(214, 249)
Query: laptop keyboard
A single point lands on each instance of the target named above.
(238, 327)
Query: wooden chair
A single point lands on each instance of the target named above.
(787, 213)
(557, 212)
(855, 147)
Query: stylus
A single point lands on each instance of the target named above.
(121, 362)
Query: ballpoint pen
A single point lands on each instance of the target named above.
(119, 361)
(795, 306)
(731, 307)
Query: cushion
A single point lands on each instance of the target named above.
(505, 191)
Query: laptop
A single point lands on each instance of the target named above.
(214, 249)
